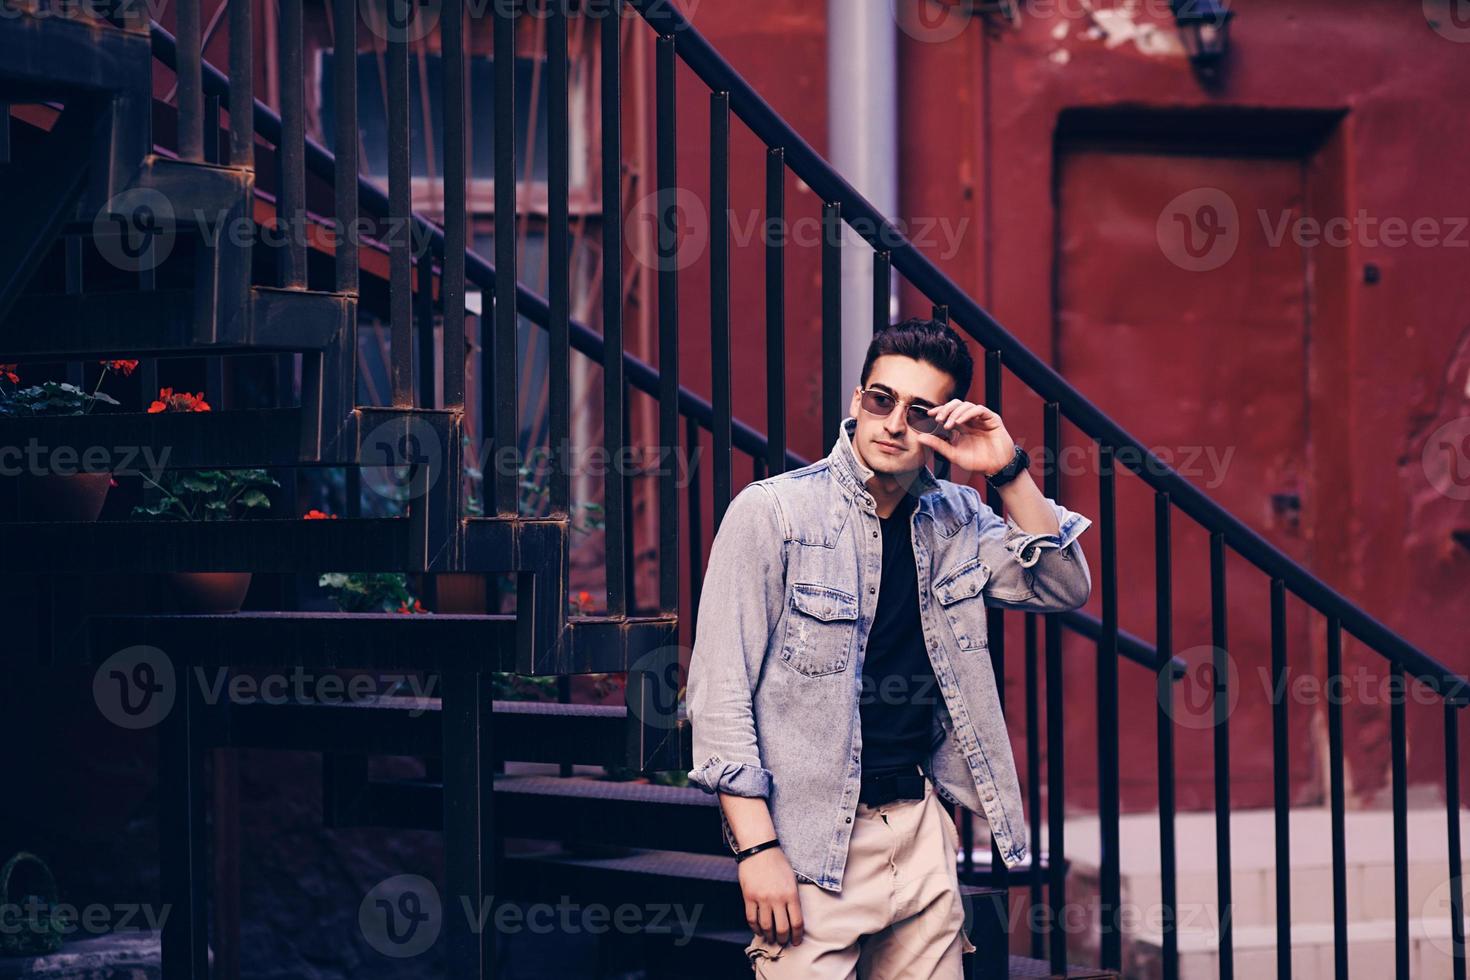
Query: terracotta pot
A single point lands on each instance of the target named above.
(61, 497)
(209, 592)
(460, 592)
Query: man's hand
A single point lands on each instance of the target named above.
(979, 443)
(977, 439)
(772, 908)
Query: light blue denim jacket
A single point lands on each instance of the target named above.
(788, 600)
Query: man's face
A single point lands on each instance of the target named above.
(887, 445)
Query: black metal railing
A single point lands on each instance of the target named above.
(1120, 454)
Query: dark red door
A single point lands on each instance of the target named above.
(1182, 313)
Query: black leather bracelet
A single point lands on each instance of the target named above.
(755, 849)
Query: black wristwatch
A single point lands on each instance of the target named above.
(1018, 465)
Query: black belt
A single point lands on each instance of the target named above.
(885, 785)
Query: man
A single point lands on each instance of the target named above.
(841, 682)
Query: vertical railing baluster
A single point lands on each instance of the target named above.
(1033, 777)
(1398, 739)
(1454, 701)
(666, 94)
(719, 297)
(211, 129)
(882, 289)
(630, 602)
(559, 252)
(941, 464)
(1056, 745)
(833, 404)
(456, 211)
(291, 196)
(344, 138)
(995, 618)
(400, 204)
(183, 844)
(696, 522)
(506, 322)
(74, 258)
(242, 83)
(467, 731)
(1110, 879)
(775, 251)
(190, 56)
(1220, 668)
(1335, 694)
(1164, 713)
(424, 316)
(1281, 773)
(613, 433)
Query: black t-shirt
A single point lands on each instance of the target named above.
(899, 691)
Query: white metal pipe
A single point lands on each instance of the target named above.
(862, 144)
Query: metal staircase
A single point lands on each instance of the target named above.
(78, 167)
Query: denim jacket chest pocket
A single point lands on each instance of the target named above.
(961, 596)
(821, 622)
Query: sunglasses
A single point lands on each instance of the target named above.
(876, 401)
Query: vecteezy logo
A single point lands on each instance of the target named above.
(401, 917)
(1199, 230)
(1446, 459)
(1192, 697)
(400, 20)
(135, 687)
(135, 230)
(1434, 920)
(1449, 19)
(668, 239)
(930, 21)
(402, 458)
(653, 687)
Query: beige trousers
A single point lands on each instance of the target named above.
(899, 916)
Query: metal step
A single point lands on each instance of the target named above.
(198, 195)
(240, 438)
(169, 322)
(220, 439)
(523, 731)
(323, 641)
(700, 884)
(46, 56)
(574, 808)
(364, 544)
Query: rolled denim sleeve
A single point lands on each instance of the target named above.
(1037, 572)
(740, 601)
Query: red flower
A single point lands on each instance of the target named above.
(417, 607)
(123, 368)
(317, 515)
(7, 371)
(181, 402)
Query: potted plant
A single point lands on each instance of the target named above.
(58, 496)
(371, 592)
(208, 495)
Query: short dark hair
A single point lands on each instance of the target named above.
(932, 341)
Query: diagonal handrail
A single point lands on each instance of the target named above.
(701, 57)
